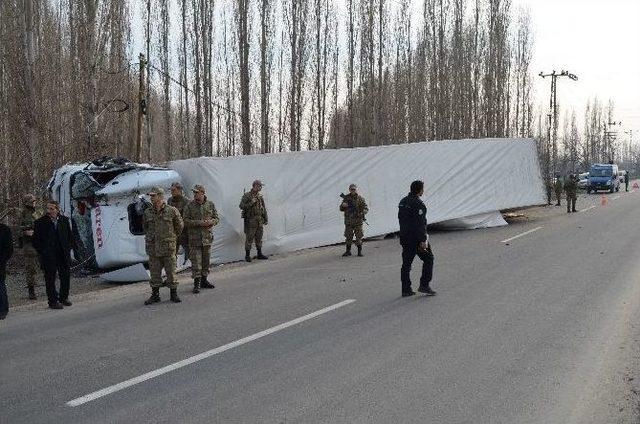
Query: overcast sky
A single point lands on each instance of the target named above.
(599, 41)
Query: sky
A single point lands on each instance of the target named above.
(597, 40)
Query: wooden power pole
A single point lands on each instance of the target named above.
(142, 108)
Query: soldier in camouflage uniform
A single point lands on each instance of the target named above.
(200, 216)
(28, 215)
(558, 188)
(570, 187)
(179, 201)
(355, 208)
(162, 225)
(255, 217)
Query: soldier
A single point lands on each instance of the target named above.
(549, 187)
(179, 201)
(162, 225)
(626, 180)
(570, 187)
(6, 250)
(254, 213)
(28, 216)
(200, 216)
(558, 189)
(355, 208)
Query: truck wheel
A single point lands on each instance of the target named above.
(611, 190)
(588, 191)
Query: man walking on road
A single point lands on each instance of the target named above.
(254, 213)
(53, 240)
(355, 208)
(570, 187)
(200, 216)
(179, 201)
(162, 226)
(6, 250)
(28, 216)
(558, 189)
(412, 216)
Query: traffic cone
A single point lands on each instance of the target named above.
(604, 200)
(635, 185)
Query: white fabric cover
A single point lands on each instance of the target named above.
(462, 178)
(483, 220)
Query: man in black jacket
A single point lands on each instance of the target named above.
(53, 241)
(412, 215)
(6, 250)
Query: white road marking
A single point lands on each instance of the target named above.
(587, 209)
(520, 235)
(204, 355)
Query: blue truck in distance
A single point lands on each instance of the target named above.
(603, 177)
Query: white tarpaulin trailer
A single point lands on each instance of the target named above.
(463, 179)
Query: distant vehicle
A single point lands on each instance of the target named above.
(603, 177)
(621, 174)
(583, 180)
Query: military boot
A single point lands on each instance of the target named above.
(196, 285)
(32, 293)
(348, 251)
(247, 256)
(155, 296)
(260, 255)
(360, 250)
(206, 284)
(174, 296)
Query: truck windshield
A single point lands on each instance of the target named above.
(600, 172)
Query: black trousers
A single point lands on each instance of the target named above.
(63, 270)
(409, 252)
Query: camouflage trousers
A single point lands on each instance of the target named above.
(200, 257)
(30, 266)
(253, 231)
(558, 197)
(156, 265)
(571, 201)
(353, 230)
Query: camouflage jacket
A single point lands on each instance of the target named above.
(570, 186)
(28, 216)
(194, 216)
(558, 186)
(253, 208)
(162, 229)
(178, 202)
(355, 210)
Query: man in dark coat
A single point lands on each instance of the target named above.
(6, 250)
(53, 241)
(412, 216)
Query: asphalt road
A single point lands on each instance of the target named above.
(539, 329)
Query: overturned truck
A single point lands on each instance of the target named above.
(466, 183)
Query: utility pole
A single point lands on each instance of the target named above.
(142, 108)
(148, 97)
(610, 136)
(552, 141)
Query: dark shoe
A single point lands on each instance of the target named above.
(409, 293)
(574, 210)
(206, 285)
(56, 305)
(426, 290)
(558, 204)
(155, 297)
(247, 256)
(196, 285)
(32, 293)
(348, 251)
(174, 296)
(260, 255)
(360, 251)
(66, 302)
(568, 211)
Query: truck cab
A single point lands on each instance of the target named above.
(603, 177)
